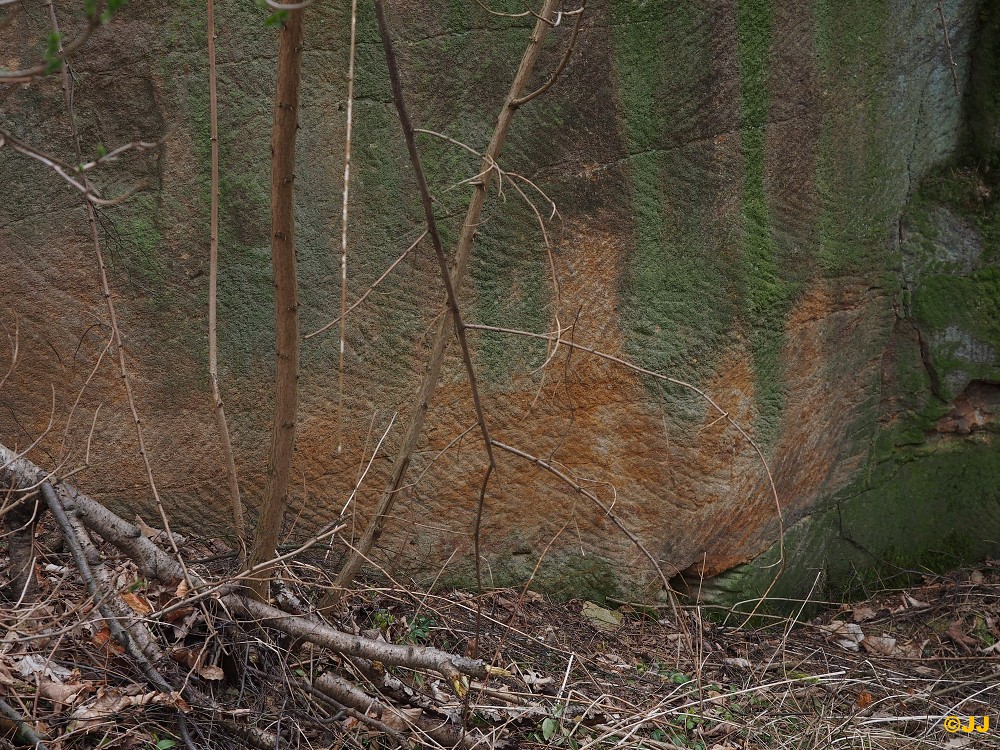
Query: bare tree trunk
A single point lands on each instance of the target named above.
(446, 321)
(239, 524)
(286, 108)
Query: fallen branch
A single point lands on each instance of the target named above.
(347, 694)
(125, 639)
(18, 514)
(155, 563)
(132, 636)
(21, 726)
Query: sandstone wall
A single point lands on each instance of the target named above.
(787, 204)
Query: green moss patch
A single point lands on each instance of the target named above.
(680, 285)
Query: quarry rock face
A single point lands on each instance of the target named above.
(791, 206)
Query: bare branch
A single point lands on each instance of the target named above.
(289, 6)
(14, 342)
(432, 229)
(236, 503)
(66, 172)
(343, 227)
(154, 562)
(137, 146)
(501, 14)
(442, 333)
(109, 300)
(604, 507)
(369, 290)
(953, 66)
(708, 399)
(562, 63)
(43, 69)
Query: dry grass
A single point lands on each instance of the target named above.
(884, 677)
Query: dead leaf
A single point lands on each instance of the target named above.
(601, 618)
(883, 645)
(138, 604)
(956, 742)
(535, 679)
(912, 649)
(862, 614)
(847, 635)
(212, 672)
(865, 699)
(111, 701)
(61, 693)
(29, 665)
(147, 531)
(177, 614)
(102, 639)
(185, 656)
(176, 700)
(964, 642)
(182, 589)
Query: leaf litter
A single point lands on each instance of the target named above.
(883, 673)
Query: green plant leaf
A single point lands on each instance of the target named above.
(52, 59)
(165, 744)
(549, 727)
(276, 19)
(113, 5)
